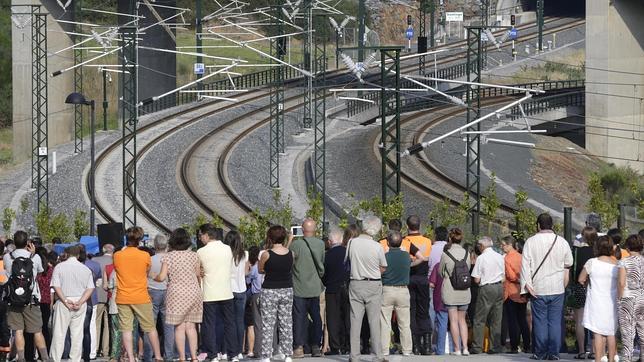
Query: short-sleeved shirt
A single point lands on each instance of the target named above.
(398, 263)
(8, 262)
(634, 267)
(366, 257)
(414, 243)
(238, 281)
(103, 260)
(216, 260)
(131, 266)
(307, 272)
(155, 269)
(489, 267)
(72, 277)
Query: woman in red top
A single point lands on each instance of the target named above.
(514, 306)
(44, 279)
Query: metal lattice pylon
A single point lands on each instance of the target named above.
(78, 80)
(39, 111)
(307, 44)
(320, 124)
(278, 49)
(390, 121)
(129, 108)
(473, 97)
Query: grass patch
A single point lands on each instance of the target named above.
(568, 67)
(6, 146)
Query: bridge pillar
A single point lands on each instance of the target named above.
(614, 78)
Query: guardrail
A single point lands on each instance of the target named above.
(244, 81)
(537, 105)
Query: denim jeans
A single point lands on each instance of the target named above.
(441, 330)
(239, 306)
(167, 343)
(547, 311)
(302, 309)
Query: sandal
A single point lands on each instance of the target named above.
(590, 356)
(581, 355)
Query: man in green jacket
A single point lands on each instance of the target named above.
(308, 270)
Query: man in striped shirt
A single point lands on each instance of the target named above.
(544, 275)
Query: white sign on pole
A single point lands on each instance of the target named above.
(454, 16)
(200, 69)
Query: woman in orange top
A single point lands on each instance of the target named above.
(514, 306)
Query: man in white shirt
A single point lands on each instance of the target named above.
(216, 262)
(488, 273)
(73, 283)
(544, 274)
(365, 288)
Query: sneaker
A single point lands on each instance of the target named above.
(265, 360)
(465, 352)
(288, 359)
(240, 356)
(315, 351)
(279, 356)
(235, 359)
(222, 356)
(406, 354)
(456, 353)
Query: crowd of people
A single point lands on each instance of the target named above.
(353, 293)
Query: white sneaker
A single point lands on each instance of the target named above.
(235, 359)
(466, 352)
(265, 360)
(279, 356)
(222, 356)
(457, 353)
(240, 356)
(288, 359)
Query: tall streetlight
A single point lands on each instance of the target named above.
(77, 98)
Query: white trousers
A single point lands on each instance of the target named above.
(92, 335)
(64, 319)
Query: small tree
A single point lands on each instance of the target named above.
(24, 205)
(490, 203)
(316, 208)
(217, 221)
(8, 215)
(525, 217)
(602, 203)
(81, 225)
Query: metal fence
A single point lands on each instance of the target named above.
(537, 105)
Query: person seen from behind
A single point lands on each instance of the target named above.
(630, 296)
(583, 252)
(253, 319)
(514, 304)
(238, 283)
(336, 282)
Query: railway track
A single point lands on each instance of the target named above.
(203, 111)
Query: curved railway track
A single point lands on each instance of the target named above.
(336, 75)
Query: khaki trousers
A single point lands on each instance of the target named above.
(395, 298)
(103, 329)
(63, 319)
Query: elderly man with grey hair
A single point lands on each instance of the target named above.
(157, 291)
(489, 273)
(336, 294)
(103, 322)
(365, 288)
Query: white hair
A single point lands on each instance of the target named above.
(486, 241)
(335, 235)
(372, 225)
(160, 242)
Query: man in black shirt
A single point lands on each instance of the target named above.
(335, 280)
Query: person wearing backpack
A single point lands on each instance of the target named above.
(455, 291)
(23, 295)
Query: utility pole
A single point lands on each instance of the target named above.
(105, 103)
(473, 97)
(361, 29)
(390, 121)
(422, 35)
(78, 79)
(198, 40)
(540, 23)
(278, 50)
(320, 124)
(39, 110)
(308, 62)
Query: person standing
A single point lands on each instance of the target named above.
(277, 294)
(440, 312)
(240, 269)
(44, 281)
(157, 291)
(336, 280)
(630, 294)
(216, 262)
(89, 329)
(184, 305)
(365, 287)
(488, 273)
(103, 320)
(544, 274)
(308, 269)
(600, 313)
(73, 284)
(455, 300)
(253, 318)
(24, 315)
(395, 295)
(420, 247)
(131, 266)
(583, 252)
(514, 304)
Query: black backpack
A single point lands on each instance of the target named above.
(21, 282)
(460, 277)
